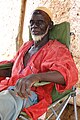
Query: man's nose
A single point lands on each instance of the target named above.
(35, 24)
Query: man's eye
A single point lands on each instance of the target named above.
(38, 22)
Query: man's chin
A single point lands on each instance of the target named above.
(36, 38)
(39, 37)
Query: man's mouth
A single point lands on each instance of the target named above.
(35, 32)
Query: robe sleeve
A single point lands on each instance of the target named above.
(62, 61)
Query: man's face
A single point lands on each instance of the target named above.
(39, 23)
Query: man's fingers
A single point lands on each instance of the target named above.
(21, 88)
(28, 91)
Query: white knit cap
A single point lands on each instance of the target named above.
(45, 10)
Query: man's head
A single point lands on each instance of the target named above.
(40, 23)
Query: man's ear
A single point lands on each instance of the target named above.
(51, 25)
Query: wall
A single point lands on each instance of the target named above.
(75, 28)
(9, 21)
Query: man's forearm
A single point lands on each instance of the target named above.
(52, 76)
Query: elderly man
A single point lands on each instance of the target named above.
(40, 60)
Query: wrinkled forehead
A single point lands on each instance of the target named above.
(42, 13)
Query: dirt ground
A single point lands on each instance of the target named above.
(68, 113)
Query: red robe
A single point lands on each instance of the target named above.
(52, 56)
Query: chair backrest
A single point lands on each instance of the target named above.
(61, 32)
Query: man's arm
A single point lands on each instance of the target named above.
(52, 76)
(23, 85)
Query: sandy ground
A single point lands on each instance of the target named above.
(68, 113)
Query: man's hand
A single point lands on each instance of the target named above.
(23, 85)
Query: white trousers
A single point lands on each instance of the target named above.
(10, 105)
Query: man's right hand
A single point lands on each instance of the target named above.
(24, 85)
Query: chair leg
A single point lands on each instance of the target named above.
(63, 106)
(67, 101)
(75, 108)
(53, 113)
